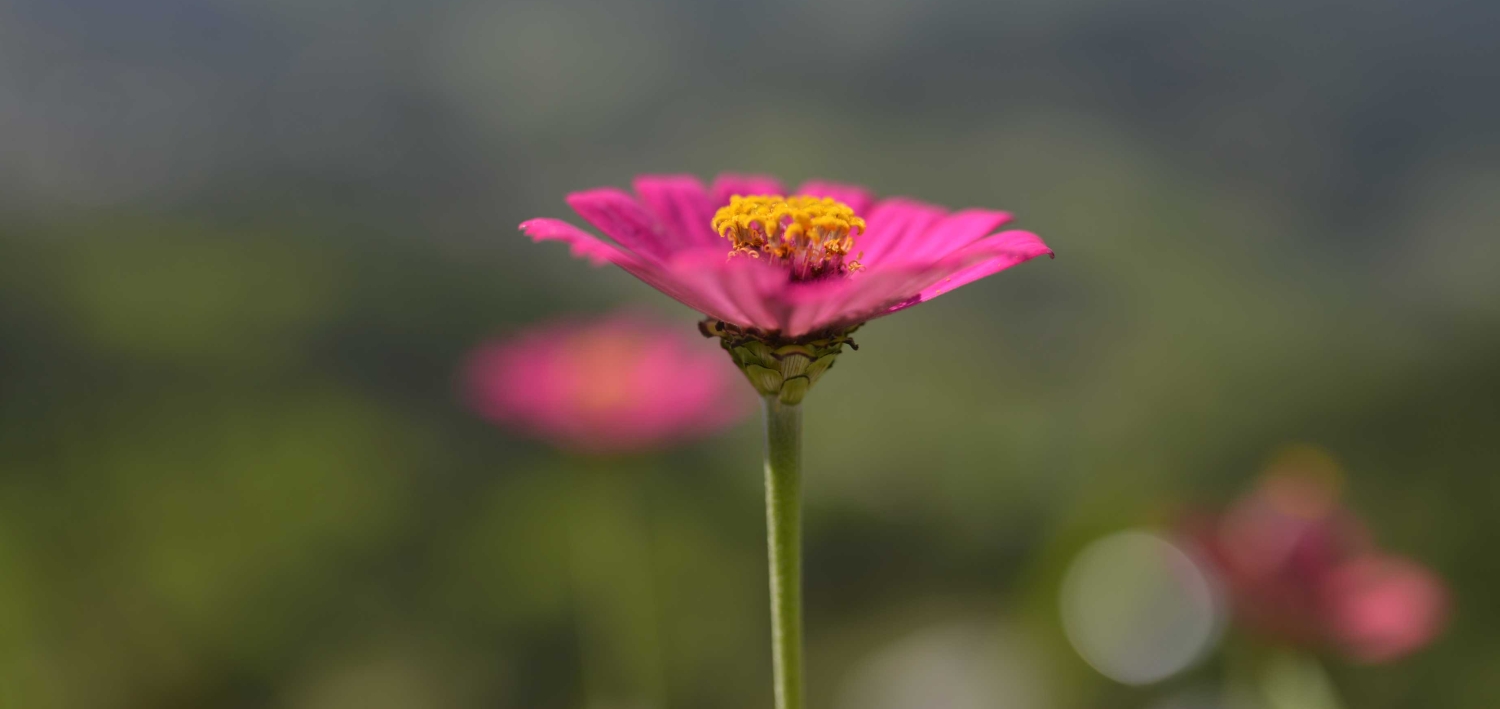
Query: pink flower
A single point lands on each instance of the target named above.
(1384, 607)
(1274, 545)
(742, 254)
(618, 384)
(1301, 569)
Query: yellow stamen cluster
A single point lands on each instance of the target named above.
(811, 234)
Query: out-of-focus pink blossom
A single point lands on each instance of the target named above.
(1273, 545)
(1302, 569)
(619, 384)
(1383, 607)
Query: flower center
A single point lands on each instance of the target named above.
(811, 235)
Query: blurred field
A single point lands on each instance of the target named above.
(244, 247)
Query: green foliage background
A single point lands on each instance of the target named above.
(242, 249)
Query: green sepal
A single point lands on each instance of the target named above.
(818, 367)
(792, 390)
(766, 381)
(777, 366)
(794, 365)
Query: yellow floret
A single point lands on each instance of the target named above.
(786, 226)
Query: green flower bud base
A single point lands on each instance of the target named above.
(785, 368)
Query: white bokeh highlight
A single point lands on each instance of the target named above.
(1138, 608)
(968, 663)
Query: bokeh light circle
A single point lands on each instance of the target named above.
(1138, 608)
(967, 662)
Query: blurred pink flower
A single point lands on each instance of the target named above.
(806, 266)
(1301, 568)
(618, 384)
(1383, 607)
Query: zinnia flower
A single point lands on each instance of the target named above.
(618, 384)
(1301, 568)
(792, 274)
(783, 280)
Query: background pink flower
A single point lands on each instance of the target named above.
(618, 384)
(1302, 569)
(1383, 607)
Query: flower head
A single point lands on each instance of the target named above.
(787, 269)
(829, 256)
(618, 384)
(1301, 568)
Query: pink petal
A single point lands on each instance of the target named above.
(892, 224)
(671, 279)
(895, 287)
(753, 293)
(754, 288)
(677, 280)
(581, 243)
(623, 219)
(954, 232)
(1000, 252)
(682, 206)
(745, 287)
(819, 305)
(858, 198)
(730, 184)
(868, 294)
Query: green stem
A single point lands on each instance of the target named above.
(784, 546)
